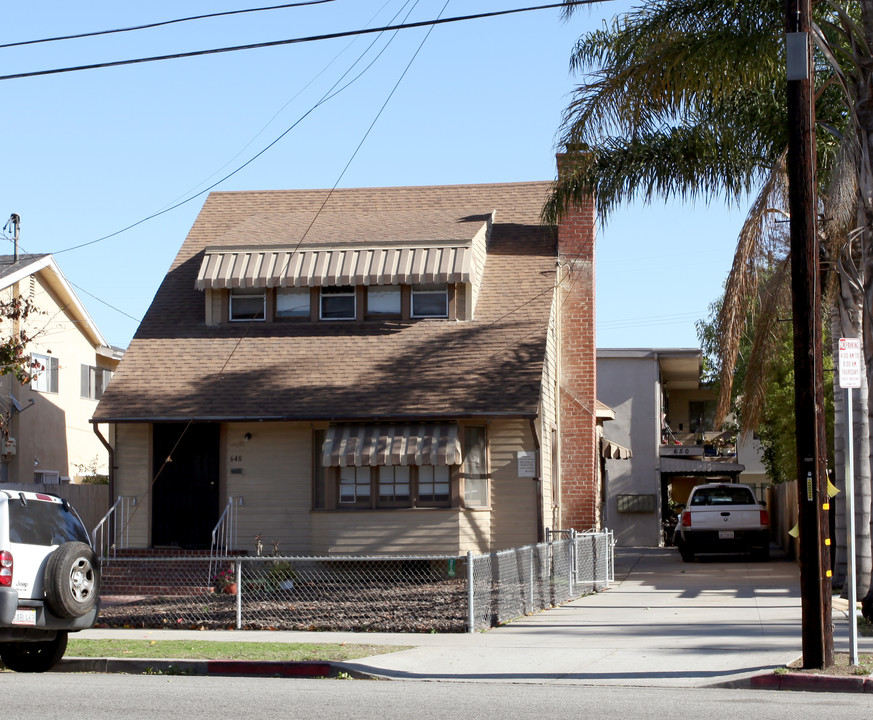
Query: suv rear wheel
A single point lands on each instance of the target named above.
(34, 657)
(72, 580)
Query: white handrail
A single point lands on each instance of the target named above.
(224, 533)
(112, 532)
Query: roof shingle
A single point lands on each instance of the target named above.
(178, 368)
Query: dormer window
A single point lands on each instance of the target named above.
(338, 303)
(292, 303)
(384, 301)
(247, 304)
(430, 300)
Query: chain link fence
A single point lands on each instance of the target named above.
(351, 593)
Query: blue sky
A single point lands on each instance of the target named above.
(87, 154)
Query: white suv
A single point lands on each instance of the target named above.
(49, 579)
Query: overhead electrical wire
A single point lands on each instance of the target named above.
(292, 41)
(244, 336)
(330, 94)
(161, 23)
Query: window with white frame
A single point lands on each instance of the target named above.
(94, 381)
(383, 301)
(247, 304)
(292, 303)
(430, 300)
(337, 302)
(45, 373)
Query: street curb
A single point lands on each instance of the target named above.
(812, 683)
(226, 668)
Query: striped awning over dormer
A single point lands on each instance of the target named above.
(402, 444)
(316, 267)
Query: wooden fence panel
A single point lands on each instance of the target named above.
(90, 501)
(784, 516)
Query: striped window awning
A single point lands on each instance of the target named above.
(265, 268)
(412, 444)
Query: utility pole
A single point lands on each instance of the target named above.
(815, 572)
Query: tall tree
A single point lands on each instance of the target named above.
(686, 98)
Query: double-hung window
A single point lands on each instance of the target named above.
(475, 467)
(338, 302)
(430, 300)
(247, 304)
(354, 486)
(45, 373)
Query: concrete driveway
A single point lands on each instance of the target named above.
(663, 623)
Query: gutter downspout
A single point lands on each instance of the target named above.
(541, 532)
(111, 452)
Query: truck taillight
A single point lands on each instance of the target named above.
(5, 568)
(686, 519)
(765, 518)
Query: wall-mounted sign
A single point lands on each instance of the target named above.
(527, 464)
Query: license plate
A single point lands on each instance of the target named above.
(725, 534)
(24, 616)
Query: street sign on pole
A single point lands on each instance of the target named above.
(850, 377)
(850, 363)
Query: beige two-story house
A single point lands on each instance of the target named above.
(46, 431)
(369, 370)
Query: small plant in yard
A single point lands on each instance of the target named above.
(225, 577)
(281, 574)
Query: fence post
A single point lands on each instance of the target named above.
(239, 592)
(572, 560)
(471, 595)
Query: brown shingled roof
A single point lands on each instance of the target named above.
(177, 368)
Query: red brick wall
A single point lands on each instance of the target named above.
(580, 491)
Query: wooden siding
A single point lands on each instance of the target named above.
(475, 532)
(513, 499)
(133, 443)
(407, 532)
(272, 473)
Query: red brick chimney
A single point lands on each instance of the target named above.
(579, 488)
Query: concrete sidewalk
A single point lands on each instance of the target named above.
(663, 623)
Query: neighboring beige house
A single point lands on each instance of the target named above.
(47, 435)
(371, 370)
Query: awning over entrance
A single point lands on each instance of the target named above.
(254, 268)
(613, 451)
(684, 466)
(407, 444)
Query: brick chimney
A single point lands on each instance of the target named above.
(580, 485)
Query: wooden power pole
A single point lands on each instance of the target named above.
(815, 572)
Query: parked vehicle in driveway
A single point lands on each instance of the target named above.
(723, 518)
(49, 579)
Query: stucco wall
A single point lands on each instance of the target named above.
(54, 434)
(629, 385)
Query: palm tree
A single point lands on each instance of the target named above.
(686, 99)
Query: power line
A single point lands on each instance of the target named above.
(330, 94)
(160, 23)
(292, 41)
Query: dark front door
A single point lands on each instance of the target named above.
(185, 493)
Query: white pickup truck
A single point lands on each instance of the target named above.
(723, 518)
